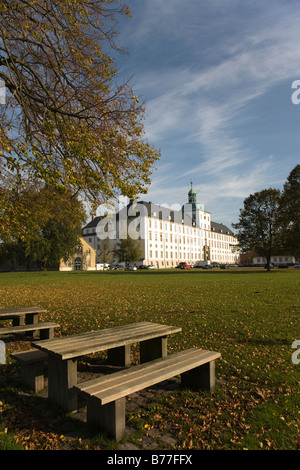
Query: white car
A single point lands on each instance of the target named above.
(102, 266)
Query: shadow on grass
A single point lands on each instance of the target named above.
(38, 421)
(39, 424)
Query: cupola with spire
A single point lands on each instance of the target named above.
(192, 204)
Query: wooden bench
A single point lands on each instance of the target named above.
(106, 394)
(32, 367)
(46, 330)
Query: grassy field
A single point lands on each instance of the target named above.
(251, 317)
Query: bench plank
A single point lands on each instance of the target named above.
(108, 381)
(30, 356)
(46, 330)
(22, 328)
(123, 383)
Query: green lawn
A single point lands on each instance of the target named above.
(251, 317)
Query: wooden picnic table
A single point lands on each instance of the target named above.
(63, 353)
(21, 315)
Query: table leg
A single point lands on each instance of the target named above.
(33, 319)
(62, 375)
(119, 356)
(153, 349)
(18, 321)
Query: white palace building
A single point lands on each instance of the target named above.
(168, 236)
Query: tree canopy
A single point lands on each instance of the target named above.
(258, 227)
(290, 213)
(44, 225)
(269, 223)
(67, 121)
(128, 250)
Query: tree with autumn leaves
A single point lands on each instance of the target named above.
(258, 229)
(68, 124)
(44, 226)
(269, 221)
(289, 213)
(128, 250)
(67, 120)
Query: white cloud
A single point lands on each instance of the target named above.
(205, 105)
(202, 103)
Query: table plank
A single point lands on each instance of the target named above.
(87, 343)
(65, 342)
(98, 344)
(20, 311)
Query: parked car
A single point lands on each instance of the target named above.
(202, 264)
(102, 266)
(297, 266)
(151, 266)
(186, 266)
(183, 265)
(132, 268)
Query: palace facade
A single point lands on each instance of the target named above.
(167, 236)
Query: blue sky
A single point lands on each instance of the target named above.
(217, 78)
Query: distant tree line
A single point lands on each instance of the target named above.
(269, 222)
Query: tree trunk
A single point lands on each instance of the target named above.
(268, 262)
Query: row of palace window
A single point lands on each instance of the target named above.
(169, 237)
(190, 256)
